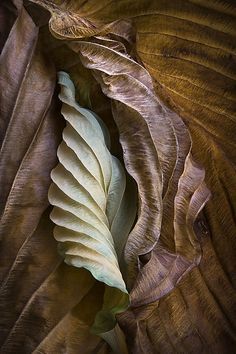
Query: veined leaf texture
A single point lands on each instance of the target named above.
(93, 212)
(161, 75)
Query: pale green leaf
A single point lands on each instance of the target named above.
(93, 210)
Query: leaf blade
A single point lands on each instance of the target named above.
(91, 248)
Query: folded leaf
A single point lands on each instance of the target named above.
(191, 197)
(162, 138)
(92, 210)
(118, 75)
(70, 25)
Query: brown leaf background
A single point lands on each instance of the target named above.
(188, 47)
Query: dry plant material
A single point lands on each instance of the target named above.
(178, 263)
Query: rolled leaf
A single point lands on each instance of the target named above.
(92, 211)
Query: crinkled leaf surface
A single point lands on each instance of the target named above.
(165, 144)
(93, 211)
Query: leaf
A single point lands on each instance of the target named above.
(70, 25)
(191, 197)
(92, 210)
(116, 77)
(192, 59)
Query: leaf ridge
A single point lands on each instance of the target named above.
(93, 246)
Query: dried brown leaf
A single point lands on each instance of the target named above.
(158, 144)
